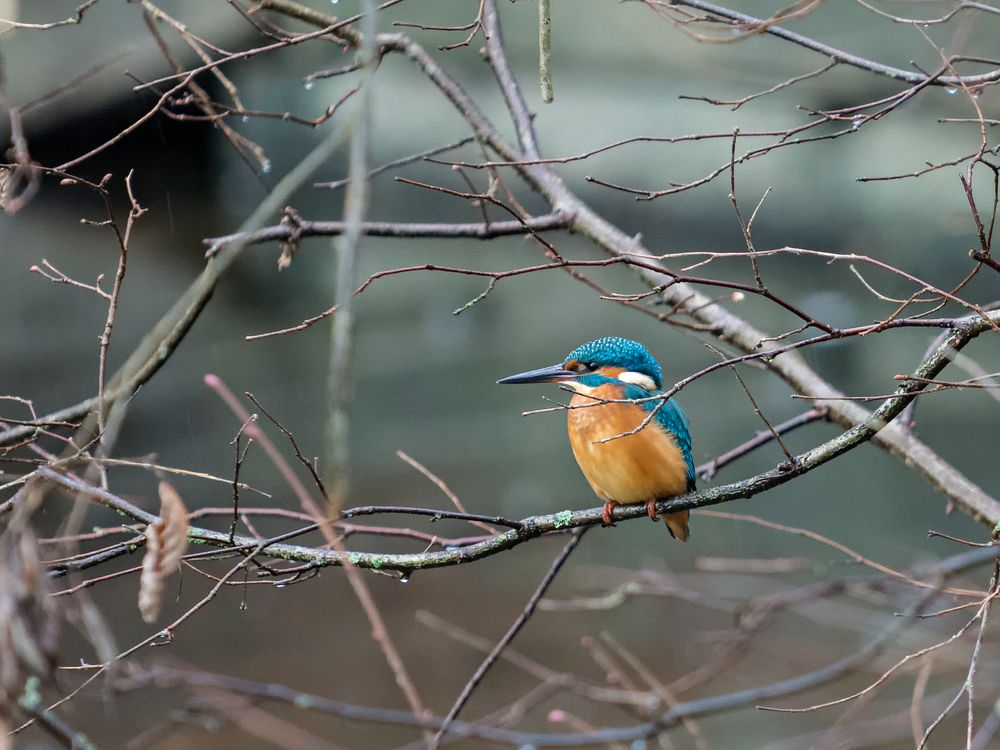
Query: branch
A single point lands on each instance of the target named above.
(336, 443)
(73, 20)
(897, 74)
(709, 469)
(69, 414)
(535, 526)
(479, 231)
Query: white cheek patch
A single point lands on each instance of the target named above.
(637, 378)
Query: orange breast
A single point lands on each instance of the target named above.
(633, 469)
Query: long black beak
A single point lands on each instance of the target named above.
(551, 374)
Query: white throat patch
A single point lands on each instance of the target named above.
(578, 387)
(637, 378)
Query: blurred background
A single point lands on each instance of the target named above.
(424, 378)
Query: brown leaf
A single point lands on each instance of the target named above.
(5, 184)
(166, 540)
(29, 624)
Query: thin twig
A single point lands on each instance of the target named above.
(515, 628)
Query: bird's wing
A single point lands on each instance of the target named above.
(671, 417)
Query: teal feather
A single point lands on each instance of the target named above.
(672, 418)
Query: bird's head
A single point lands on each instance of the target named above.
(610, 358)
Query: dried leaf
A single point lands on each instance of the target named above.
(166, 540)
(6, 176)
(288, 250)
(29, 622)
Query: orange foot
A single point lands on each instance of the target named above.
(609, 507)
(651, 509)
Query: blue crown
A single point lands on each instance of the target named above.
(612, 351)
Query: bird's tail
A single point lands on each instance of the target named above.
(677, 524)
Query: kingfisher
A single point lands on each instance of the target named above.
(615, 383)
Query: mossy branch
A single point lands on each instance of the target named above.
(532, 527)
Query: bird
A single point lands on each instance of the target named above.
(616, 382)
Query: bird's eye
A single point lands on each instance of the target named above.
(591, 366)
